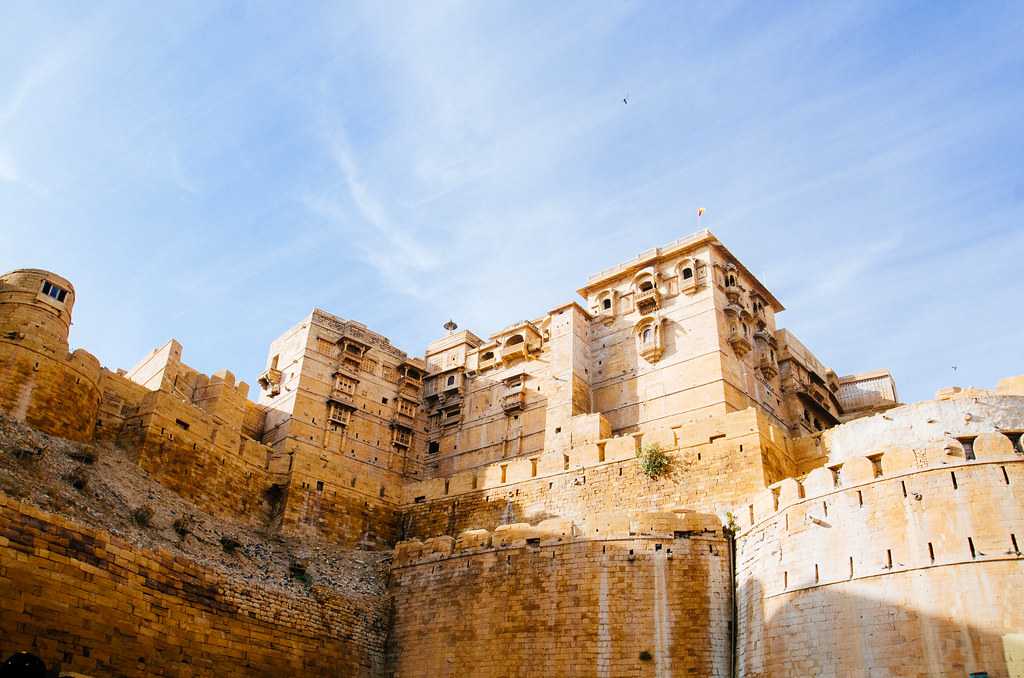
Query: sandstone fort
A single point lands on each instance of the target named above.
(653, 480)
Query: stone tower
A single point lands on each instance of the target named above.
(35, 306)
(40, 382)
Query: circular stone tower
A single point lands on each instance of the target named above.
(40, 382)
(35, 306)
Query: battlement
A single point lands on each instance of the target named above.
(713, 432)
(856, 471)
(604, 526)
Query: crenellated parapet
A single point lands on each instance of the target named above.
(689, 437)
(558, 531)
(920, 540)
(41, 382)
(894, 463)
(901, 510)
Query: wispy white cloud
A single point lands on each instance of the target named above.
(402, 162)
(8, 171)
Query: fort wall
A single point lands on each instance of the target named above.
(55, 392)
(41, 383)
(95, 604)
(715, 463)
(649, 596)
(903, 563)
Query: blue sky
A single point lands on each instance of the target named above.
(212, 171)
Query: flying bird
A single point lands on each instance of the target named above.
(625, 99)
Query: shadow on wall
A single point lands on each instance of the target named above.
(909, 624)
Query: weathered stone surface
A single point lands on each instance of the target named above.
(530, 541)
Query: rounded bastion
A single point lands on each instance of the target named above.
(41, 383)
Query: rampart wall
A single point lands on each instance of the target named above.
(97, 605)
(906, 563)
(222, 472)
(52, 390)
(716, 462)
(638, 595)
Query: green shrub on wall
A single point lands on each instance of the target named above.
(653, 461)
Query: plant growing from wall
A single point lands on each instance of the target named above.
(654, 463)
(143, 516)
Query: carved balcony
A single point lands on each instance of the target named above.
(514, 401)
(735, 309)
(270, 380)
(401, 437)
(342, 397)
(410, 385)
(740, 344)
(762, 334)
(648, 300)
(767, 367)
(513, 352)
(349, 368)
(340, 415)
(651, 351)
(451, 417)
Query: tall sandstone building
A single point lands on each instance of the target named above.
(807, 523)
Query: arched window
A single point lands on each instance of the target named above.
(646, 285)
(451, 380)
(607, 305)
(647, 336)
(514, 339)
(687, 273)
(730, 281)
(487, 356)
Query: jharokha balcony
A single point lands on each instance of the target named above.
(514, 400)
(341, 415)
(401, 437)
(270, 380)
(767, 367)
(648, 300)
(343, 397)
(740, 344)
(349, 368)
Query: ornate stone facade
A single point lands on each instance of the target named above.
(807, 524)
